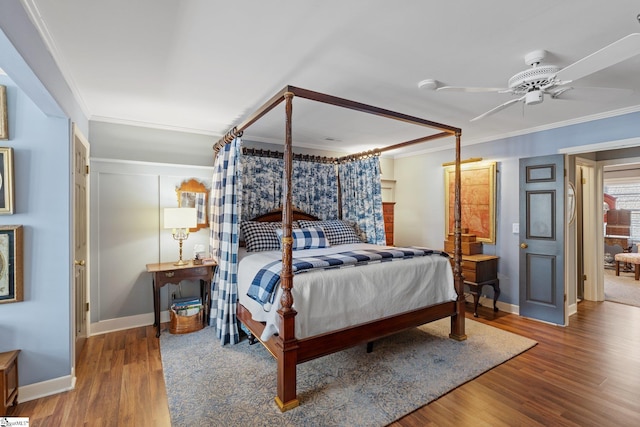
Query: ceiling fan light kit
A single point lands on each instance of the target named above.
(531, 84)
(534, 97)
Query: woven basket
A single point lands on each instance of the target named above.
(185, 324)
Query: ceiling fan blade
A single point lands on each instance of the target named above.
(498, 108)
(608, 56)
(474, 89)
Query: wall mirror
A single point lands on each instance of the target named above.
(194, 194)
(571, 203)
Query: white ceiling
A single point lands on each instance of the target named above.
(203, 66)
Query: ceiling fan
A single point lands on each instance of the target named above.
(533, 83)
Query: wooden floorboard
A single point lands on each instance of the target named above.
(586, 374)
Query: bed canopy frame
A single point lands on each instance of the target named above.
(288, 350)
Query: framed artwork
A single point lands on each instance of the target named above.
(11, 286)
(477, 200)
(6, 180)
(4, 121)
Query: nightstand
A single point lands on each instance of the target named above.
(168, 272)
(478, 271)
(8, 379)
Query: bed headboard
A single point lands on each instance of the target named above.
(276, 216)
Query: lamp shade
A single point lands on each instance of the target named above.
(180, 218)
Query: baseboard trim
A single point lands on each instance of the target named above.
(46, 388)
(123, 323)
(488, 302)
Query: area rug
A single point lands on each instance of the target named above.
(211, 385)
(622, 289)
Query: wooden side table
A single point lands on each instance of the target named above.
(8, 379)
(478, 271)
(168, 272)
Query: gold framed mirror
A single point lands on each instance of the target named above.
(194, 194)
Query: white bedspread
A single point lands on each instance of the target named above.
(327, 300)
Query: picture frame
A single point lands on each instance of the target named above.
(11, 264)
(477, 200)
(6, 181)
(4, 120)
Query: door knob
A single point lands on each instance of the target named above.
(79, 262)
(524, 245)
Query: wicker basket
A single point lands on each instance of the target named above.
(185, 324)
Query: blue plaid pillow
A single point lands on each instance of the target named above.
(338, 232)
(261, 236)
(307, 238)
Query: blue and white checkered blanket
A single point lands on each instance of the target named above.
(263, 285)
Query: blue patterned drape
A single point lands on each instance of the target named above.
(314, 187)
(362, 196)
(224, 208)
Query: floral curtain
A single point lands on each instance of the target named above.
(314, 186)
(362, 196)
(224, 208)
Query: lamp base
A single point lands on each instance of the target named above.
(181, 262)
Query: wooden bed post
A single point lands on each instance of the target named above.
(457, 321)
(286, 342)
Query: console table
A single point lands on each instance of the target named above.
(169, 273)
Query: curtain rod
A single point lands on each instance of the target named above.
(279, 155)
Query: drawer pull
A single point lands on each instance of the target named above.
(170, 274)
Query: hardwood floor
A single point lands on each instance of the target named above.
(587, 374)
(119, 383)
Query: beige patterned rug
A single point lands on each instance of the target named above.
(623, 289)
(211, 385)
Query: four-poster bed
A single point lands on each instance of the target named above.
(290, 350)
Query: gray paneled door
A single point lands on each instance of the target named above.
(542, 234)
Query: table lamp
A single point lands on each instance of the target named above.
(180, 220)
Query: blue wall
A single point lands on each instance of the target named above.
(40, 325)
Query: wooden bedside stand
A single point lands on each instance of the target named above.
(168, 272)
(478, 271)
(9, 379)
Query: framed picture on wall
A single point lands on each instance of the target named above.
(4, 121)
(477, 200)
(6, 180)
(11, 285)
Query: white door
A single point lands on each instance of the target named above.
(80, 237)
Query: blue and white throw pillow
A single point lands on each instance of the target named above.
(307, 238)
(338, 232)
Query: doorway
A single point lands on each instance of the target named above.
(591, 164)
